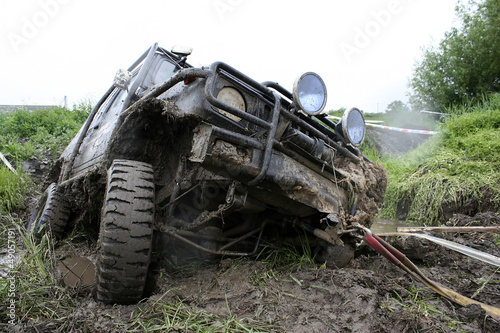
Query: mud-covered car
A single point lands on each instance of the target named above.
(175, 158)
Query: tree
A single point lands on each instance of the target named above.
(397, 106)
(466, 62)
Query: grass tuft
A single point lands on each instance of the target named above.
(166, 316)
(13, 189)
(38, 296)
(460, 165)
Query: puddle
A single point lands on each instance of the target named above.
(77, 272)
(382, 226)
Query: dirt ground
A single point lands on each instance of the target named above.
(369, 295)
(394, 143)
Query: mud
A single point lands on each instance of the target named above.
(369, 295)
(395, 143)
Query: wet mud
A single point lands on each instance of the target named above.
(369, 295)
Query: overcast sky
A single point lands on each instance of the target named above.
(365, 50)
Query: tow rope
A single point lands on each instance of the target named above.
(400, 260)
(468, 251)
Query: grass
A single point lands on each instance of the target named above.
(418, 310)
(285, 259)
(13, 189)
(25, 134)
(460, 164)
(38, 296)
(166, 316)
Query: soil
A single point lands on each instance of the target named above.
(369, 295)
(395, 143)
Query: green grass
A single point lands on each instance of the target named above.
(25, 134)
(38, 296)
(13, 189)
(459, 164)
(167, 316)
(286, 259)
(418, 305)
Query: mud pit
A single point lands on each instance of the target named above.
(370, 295)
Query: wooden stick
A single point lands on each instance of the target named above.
(493, 229)
(7, 163)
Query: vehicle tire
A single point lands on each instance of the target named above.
(126, 232)
(52, 213)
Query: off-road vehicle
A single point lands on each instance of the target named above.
(175, 157)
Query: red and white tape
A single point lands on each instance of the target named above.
(397, 129)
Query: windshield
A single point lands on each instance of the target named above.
(160, 71)
(164, 72)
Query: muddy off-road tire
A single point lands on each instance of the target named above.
(126, 232)
(51, 214)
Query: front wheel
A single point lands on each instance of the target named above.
(126, 232)
(52, 213)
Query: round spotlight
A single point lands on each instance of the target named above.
(353, 127)
(232, 97)
(309, 93)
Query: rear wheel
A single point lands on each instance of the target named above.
(51, 213)
(126, 232)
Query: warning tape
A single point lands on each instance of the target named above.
(397, 129)
(406, 130)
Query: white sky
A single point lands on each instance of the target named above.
(364, 50)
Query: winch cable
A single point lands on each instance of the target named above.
(468, 251)
(400, 260)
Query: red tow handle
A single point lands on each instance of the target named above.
(377, 246)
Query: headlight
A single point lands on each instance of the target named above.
(309, 93)
(232, 97)
(353, 127)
